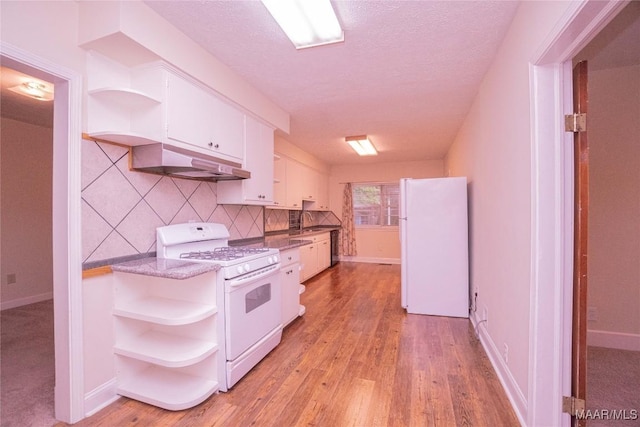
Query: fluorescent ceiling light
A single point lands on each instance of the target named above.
(34, 89)
(362, 145)
(307, 23)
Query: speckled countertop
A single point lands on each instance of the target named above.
(167, 268)
(283, 240)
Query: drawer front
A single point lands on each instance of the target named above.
(289, 256)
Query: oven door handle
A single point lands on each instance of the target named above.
(253, 276)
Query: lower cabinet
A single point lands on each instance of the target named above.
(167, 335)
(315, 257)
(290, 282)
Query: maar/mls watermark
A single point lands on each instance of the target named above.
(608, 414)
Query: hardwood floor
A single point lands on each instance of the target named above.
(354, 359)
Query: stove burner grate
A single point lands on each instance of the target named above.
(223, 254)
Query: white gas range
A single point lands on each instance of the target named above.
(252, 302)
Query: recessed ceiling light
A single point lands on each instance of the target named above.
(362, 145)
(34, 89)
(307, 23)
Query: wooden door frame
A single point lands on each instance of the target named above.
(552, 210)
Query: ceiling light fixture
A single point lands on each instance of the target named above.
(307, 23)
(34, 89)
(362, 145)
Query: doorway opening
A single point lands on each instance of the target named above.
(65, 229)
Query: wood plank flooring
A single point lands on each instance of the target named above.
(354, 359)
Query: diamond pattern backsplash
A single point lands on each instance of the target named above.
(122, 208)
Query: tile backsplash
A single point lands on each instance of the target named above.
(282, 219)
(122, 208)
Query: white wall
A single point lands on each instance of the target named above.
(614, 209)
(25, 231)
(377, 245)
(493, 149)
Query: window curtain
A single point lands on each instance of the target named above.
(348, 239)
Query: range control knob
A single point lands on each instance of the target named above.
(240, 269)
(247, 267)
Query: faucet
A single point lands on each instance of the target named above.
(302, 215)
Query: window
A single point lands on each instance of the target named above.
(376, 205)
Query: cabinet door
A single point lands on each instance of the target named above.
(259, 152)
(227, 128)
(308, 261)
(257, 190)
(296, 174)
(188, 118)
(309, 178)
(289, 279)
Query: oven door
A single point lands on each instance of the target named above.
(253, 308)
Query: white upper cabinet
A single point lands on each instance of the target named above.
(157, 103)
(257, 190)
(295, 182)
(197, 117)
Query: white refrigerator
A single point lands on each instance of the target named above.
(434, 246)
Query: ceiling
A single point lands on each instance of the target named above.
(19, 107)
(406, 73)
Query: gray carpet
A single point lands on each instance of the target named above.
(613, 383)
(27, 366)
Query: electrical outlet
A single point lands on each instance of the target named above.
(592, 314)
(11, 278)
(505, 353)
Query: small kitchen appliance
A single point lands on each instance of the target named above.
(251, 284)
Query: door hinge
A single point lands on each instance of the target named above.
(573, 406)
(576, 122)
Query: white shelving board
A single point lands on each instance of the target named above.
(126, 97)
(164, 311)
(167, 350)
(167, 389)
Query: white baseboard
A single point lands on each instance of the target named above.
(100, 397)
(370, 260)
(513, 392)
(19, 302)
(618, 340)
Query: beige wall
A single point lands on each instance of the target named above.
(375, 245)
(26, 168)
(614, 211)
(493, 149)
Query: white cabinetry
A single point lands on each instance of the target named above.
(315, 257)
(321, 186)
(259, 189)
(167, 339)
(290, 280)
(197, 117)
(156, 103)
(295, 182)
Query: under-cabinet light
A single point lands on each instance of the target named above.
(362, 145)
(307, 23)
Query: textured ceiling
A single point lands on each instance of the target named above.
(406, 73)
(20, 107)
